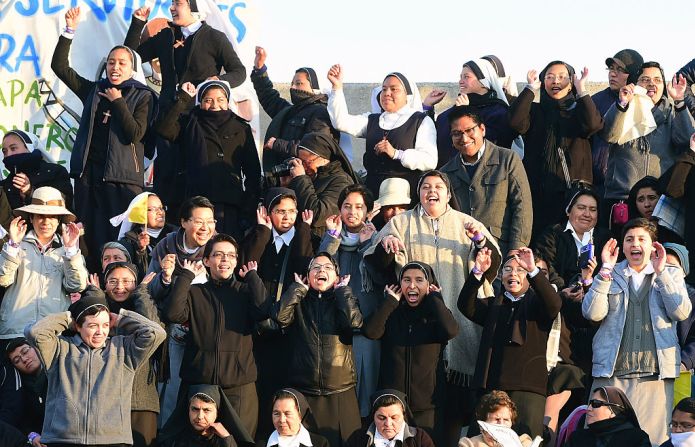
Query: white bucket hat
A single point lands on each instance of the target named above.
(48, 201)
(394, 191)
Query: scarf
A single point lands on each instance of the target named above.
(349, 241)
(686, 439)
(28, 162)
(301, 98)
(610, 426)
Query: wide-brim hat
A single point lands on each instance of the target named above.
(47, 201)
(394, 191)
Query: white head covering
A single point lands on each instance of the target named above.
(490, 80)
(138, 71)
(32, 142)
(392, 120)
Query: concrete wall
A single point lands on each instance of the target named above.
(359, 101)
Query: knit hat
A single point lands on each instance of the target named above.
(313, 79)
(120, 264)
(681, 252)
(394, 191)
(91, 297)
(212, 83)
(46, 201)
(274, 195)
(117, 246)
(630, 61)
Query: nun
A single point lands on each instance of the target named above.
(401, 140)
(219, 153)
(30, 167)
(109, 150)
(204, 419)
(291, 417)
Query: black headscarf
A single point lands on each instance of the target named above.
(325, 146)
(407, 413)
(424, 268)
(625, 416)
(305, 414)
(179, 423)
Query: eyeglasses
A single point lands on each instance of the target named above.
(680, 426)
(285, 213)
(596, 403)
(619, 70)
(510, 269)
(319, 267)
(22, 354)
(222, 255)
(157, 209)
(553, 78)
(199, 222)
(456, 134)
(113, 282)
(647, 80)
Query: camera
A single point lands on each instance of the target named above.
(272, 176)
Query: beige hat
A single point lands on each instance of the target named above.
(48, 201)
(394, 191)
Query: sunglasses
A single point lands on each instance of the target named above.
(596, 403)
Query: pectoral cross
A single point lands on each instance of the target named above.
(179, 43)
(107, 115)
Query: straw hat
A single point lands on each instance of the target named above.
(47, 201)
(394, 191)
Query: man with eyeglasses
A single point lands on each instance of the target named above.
(648, 145)
(489, 182)
(221, 315)
(623, 68)
(682, 424)
(28, 384)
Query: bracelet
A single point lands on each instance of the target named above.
(476, 271)
(69, 30)
(606, 276)
(478, 237)
(586, 282)
(333, 233)
(33, 435)
(13, 244)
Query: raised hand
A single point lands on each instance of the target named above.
(18, 229)
(195, 267)
(93, 280)
(434, 97)
(167, 264)
(462, 100)
(245, 269)
(368, 229)
(333, 223)
(262, 217)
(301, 280)
(72, 18)
(525, 259)
(71, 234)
(335, 76)
(609, 254)
(483, 259)
(148, 278)
(588, 271)
(658, 257)
(143, 241)
(344, 281)
(75, 297)
(111, 94)
(435, 288)
(259, 60)
(532, 79)
(394, 291)
(142, 13)
(392, 244)
(474, 231)
(580, 82)
(676, 88)
(626, 93)
(308, 217)
(377, 209)
(189, 88)
(22, 183)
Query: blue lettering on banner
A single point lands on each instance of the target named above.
(26, 54)
(234, 20)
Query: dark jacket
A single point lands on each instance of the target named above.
(615, 432)
(209, 51)
(688, 71)
(320, 326)
(40, 173)
(141, 258)
(132, 115)
(320, 194)
(686, 334)
(289, 122)
(220, 314)
(34, 390)
(215, 156)
(412, 342)
(412, 437)
(599, 146)
(12, 400)
(512, 354)
(173, 243)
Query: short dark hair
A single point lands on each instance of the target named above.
(641, 222)
(652, 64)
(361, 190)
(458, 112)
(493, 401)
(89, 312)
(189, 205)
(219, 237)
(686, 405)
(644, 182)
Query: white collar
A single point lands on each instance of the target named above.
(479, 156)
(586, 238)
(638, 277)
(423, 213)
(380, 441)
(301, 438)
(513, 298)
(190, 29)
(282, 239)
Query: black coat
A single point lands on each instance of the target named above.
(620, 434)
(209, 51)
(512, 353)
(320, 194)
(221, 315)
(40, 173)
(141, 258)
(320, 327)
(412, 342)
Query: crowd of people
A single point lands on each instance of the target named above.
(514, 270)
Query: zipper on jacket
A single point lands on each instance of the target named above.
(135, 157)
(320, 347)
(90, 351)
(217, 343)
(408, 361)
